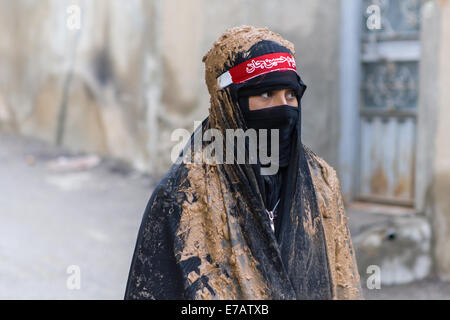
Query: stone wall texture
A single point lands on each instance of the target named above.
(133, 72)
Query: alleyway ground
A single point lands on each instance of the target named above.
(50, 220)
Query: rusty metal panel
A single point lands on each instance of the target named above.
(387, 156)
(389, 144)
(390, 56)
(366, 158)
(378, 178)
(405, 160)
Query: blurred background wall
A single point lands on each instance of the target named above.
(133, 72)
(117, 77)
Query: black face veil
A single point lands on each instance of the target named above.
(205, 233)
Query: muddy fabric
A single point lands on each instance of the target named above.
(205, 233)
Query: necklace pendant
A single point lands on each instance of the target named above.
(272, 225)
(271, 217)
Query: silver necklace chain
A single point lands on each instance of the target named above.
(271, 215)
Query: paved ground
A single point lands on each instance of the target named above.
(430, 289)
(50, 220)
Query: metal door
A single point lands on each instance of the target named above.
(388, 104)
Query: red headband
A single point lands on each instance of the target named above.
(252, 68)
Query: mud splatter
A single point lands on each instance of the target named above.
(340, 251)
(225, 49)
(212, 234)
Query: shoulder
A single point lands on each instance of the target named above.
(183, 182)
(340, 248)
(320, 169)
(326, 184)
(169, 190)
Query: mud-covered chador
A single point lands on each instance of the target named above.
(206, 233)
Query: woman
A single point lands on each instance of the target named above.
(237, 230)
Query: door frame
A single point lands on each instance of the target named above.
(351, 60)
(349, 87)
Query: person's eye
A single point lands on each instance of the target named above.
(291, 95)
(265, 95)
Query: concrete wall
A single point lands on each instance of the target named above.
(440, 182)
(133, 72)
(100, 72)
(433, 152)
